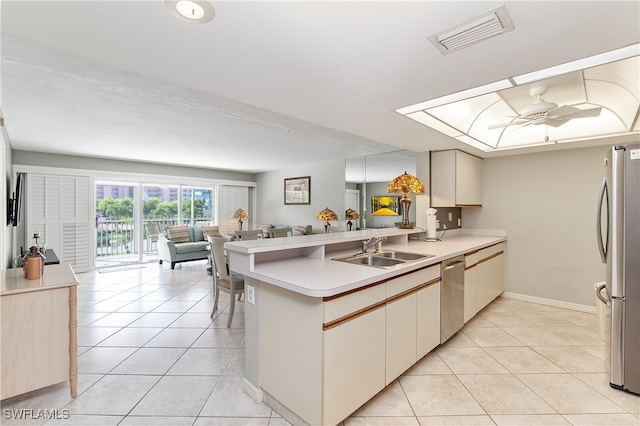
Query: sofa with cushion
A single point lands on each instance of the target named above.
(185, 243)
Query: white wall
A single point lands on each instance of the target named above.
(6, 171)
(327, 190)
(547, 204)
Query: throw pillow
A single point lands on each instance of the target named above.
(178, 234)
(211, 231)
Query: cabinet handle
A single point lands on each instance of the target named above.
(453, 265)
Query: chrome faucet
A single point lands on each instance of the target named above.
(373, 241)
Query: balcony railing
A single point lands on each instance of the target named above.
(115, 237)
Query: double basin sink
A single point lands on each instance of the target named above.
(384, 259)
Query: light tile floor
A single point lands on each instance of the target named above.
(149, 354)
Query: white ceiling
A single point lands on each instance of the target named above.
(266, 85)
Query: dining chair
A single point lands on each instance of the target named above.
(153, 230)
(280, 232)
(223, 280)
(248, 235)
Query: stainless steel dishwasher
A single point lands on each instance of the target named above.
(452, 297)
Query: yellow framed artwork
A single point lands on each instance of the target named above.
(385, 205)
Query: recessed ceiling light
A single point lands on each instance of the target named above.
(189, 9)
(192, 11)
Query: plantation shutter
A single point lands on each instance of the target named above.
(58, 207)
(230, 199)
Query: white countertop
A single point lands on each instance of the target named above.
(320, 276)
(12, 280)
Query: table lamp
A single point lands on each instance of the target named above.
(240, 214)
(327, 215)
(349, 215)
(405, 184)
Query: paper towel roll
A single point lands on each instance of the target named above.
(431, 226)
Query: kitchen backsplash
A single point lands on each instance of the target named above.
(449, 218)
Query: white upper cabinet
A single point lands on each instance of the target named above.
(456, 179)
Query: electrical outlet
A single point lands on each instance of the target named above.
(450, 216)
(459, 222)
(250, 294)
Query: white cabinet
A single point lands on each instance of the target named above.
(456, 179)
(495, 276)
(401, 336)
(483, 278)
(325, 357)
(413, 319)
(354, 364)
(428, 318)
(472, 280)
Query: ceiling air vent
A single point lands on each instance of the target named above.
(473, 31)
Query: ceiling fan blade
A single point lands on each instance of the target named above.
(513, 123)
(585, 113)
(525, 124)
(567, 112)
(556, 122)
(563, 110)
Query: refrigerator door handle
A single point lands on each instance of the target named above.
(602, 245)
(599, 295)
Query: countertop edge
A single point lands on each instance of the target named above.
(366, 275)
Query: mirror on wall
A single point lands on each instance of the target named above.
(367, 177)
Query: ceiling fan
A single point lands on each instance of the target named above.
(549, 113)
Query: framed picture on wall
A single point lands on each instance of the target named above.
(297, 190)
(385, 205)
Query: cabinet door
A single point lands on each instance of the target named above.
(456, 179)
(495, 276)
(468, 180)
(401, 336)
(483, 297)
(471, 292)
(354, 364)
(428, 319)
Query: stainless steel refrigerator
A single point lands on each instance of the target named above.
(618, 235)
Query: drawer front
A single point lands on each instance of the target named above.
(349, 303)
(406, 282)
(490, 251)
(479, 255)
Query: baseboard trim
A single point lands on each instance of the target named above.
(284, 412)
(253, 392)
(549, 302)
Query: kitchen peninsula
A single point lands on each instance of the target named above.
(325, 336)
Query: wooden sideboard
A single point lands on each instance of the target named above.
(39, 330)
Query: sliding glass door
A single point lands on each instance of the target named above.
(116, 241)
(129, 217)
(197, 206)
